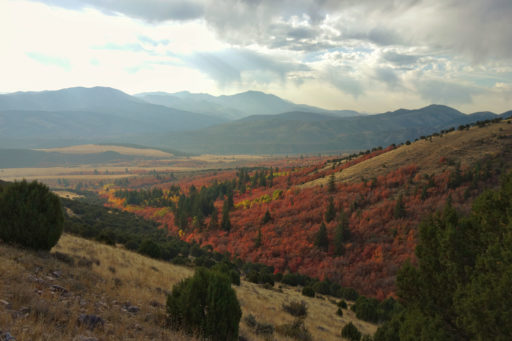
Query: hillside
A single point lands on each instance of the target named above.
(466, 147)
(305, 132)
(378, 200)
(43, 295)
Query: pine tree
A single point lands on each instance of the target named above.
(330, 213)
(331, 187)
(257, 241)
(399, 211)
(321, 239)
(266, 217)
(214, 220)
(231, 203)
(225, 223)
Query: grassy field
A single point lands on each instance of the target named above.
(95, 148)
(102, 280)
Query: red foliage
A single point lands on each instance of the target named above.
(379, 243)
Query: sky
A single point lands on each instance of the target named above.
(365, 55)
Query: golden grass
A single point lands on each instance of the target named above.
(465, 146)
(117, 276)
(94, 148)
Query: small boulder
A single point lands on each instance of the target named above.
(6, 336)
(90, 321)
(84, 338)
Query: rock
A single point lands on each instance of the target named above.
(25, 310)
(132, 309)
(155, 304)
(84, 338)
(90, 321)
(58, 288)
(7, 305)
(56, 274)
(6, 336)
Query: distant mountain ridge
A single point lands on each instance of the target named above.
(202, 123)
(301, 132)
(87, 114)
(236, 106)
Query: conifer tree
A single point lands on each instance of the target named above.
(214, 220)
(225, 223)
(330, 213)
(321, 239)
(257, 241)
(266, 218)
(399, 211)
(331, 187)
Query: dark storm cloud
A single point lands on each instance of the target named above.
(228, 65)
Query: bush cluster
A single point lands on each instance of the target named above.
(205, 304)
(31, 215)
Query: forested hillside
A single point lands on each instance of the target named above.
(356, 233)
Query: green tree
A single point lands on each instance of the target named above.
(399, 210)
(257, 241)
(214, 220)
(321, 239)
(266, 218)
(150, 248)
(205, 304)
(330, 213)
(225, 223)
(331, 185)
(350, 332)
(460, 288)
(31, 215)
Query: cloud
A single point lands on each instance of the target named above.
(50, 60)
(478, 28)
(439, 91)
(229, 65)
(399, 59)
(148, 10)
(344, 81)
(388, 76)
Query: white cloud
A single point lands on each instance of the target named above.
(369, 55)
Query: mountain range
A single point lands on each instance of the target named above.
(249, 122)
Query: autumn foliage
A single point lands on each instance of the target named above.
(276, 221)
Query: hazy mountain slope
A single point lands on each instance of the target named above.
(77, 98)
(235, 106)
(307, 132)
(200, 103)
(87, 114)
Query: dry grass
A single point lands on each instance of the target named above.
(94, 148)
(103, 278)
(464, 146)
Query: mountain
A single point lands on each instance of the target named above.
(303, 132)
(31, 119)
(234, 106)
(506, 114)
